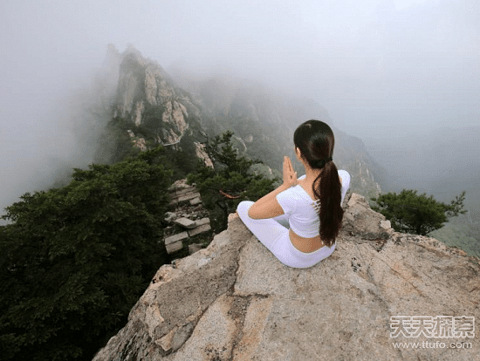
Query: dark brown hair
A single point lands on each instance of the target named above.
(316, 141)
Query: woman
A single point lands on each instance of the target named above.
(299, 221)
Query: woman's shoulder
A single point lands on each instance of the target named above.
(345, 177)
(343, 173)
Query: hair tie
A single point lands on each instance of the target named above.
(319, 164)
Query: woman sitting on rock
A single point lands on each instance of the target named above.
(299, 221)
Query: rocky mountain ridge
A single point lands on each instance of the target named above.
(151, 109)
(234, 301)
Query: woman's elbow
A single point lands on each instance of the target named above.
(264, 211)
(256, 212)
(248, 208)
(251, 212)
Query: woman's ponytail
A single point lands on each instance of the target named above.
(327, 189)
(316, 141)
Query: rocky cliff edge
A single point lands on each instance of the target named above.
(234, 301)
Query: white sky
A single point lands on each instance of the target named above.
(377, 66)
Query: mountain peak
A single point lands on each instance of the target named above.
(234, 300)
(146, 97)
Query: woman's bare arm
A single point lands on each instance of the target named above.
(268, 206)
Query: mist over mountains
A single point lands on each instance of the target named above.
(382, 68)
(133, 103)
(443, 161)
(263, 120)
(131, 100)
(53, 135)
(152, 107)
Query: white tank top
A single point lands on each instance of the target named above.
(300, 208)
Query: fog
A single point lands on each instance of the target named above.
(382, 68)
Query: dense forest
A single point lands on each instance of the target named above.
(75, 259)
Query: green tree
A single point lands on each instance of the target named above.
(230, 181)
(410, 212)
(74, 260)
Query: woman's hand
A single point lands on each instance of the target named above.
(289, 175)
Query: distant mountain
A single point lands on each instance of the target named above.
(441, 162)
(152, 107)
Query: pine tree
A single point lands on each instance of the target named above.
(410, 212)
(74, 260)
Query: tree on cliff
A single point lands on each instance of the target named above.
(74, 260)
(230, 181)
(410, 212)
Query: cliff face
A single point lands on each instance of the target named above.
(234, 301)
(147, 99)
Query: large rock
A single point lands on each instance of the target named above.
(364, 223)
(235, 301)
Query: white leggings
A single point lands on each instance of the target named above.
(274, 234)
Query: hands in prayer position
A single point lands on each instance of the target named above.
(289, 175)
